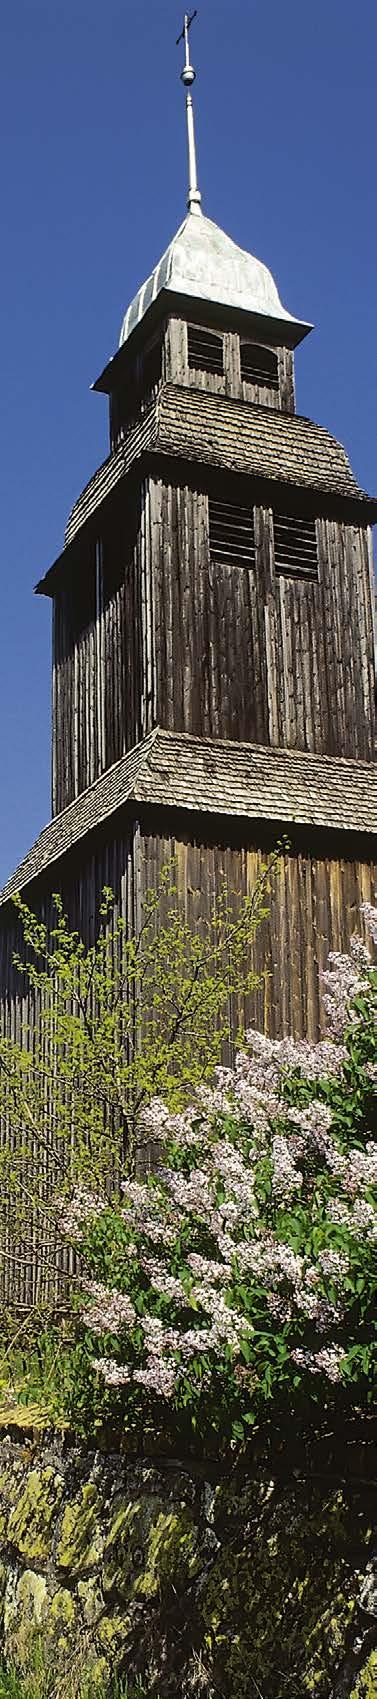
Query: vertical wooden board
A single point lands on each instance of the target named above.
(176, 560)
(312, 1000)
(272, 675)
(176, 351)
(303, 596)
(286, 380)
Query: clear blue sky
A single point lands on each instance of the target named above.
(93, 184)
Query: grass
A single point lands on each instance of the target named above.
(36, 1685)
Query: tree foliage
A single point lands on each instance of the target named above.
(106, 1028)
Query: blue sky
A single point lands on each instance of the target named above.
(93, 184)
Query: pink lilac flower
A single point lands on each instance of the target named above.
(370, 917)
(341, 982)
(157, 1377)
(163, 1282)
(328, 1361)
(270, 1260)
(277, 1056)
(226, 1323)
(316, 1308)
(205, 1268)
(114, 1374)
(79, 1211)
(360, 1218)
(334, 1263)
(109, 1311)
(286, 1178)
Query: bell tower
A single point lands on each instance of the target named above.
(216, 575)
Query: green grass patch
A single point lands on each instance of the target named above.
(39, 1685)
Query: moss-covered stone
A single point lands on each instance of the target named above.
(90, 1599)
(60, 1627)
(29, 1524)
(113, 1632)
(26, 1604)
(149, 1546)
(282, 1580)
(140, 1568)
(366, 1686)
(80, 1544)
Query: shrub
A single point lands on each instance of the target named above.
(239, 1278)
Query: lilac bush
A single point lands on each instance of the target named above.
(243, 1269)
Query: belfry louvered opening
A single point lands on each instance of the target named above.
(205, 351)
(296, 554)
(259, 366)
(231, 534)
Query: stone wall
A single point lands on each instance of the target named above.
(255, 1580)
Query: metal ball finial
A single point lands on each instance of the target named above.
(188, 75)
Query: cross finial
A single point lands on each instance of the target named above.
(188, 78)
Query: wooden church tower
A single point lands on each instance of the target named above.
(213, 663)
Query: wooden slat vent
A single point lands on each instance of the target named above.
(296, 553)
(205, 351)
(231, 534)
(259, 366)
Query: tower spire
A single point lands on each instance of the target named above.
(188, 78)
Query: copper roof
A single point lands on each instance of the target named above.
(203, 262)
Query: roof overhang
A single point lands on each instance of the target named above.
(224, 779)
(287, 333)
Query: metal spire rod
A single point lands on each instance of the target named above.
(188, 78)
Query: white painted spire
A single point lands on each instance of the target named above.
(188, 78)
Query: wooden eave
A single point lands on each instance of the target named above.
(187, 426)
(169, 304)
(172, 772)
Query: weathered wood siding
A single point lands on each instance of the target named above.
(178, 370)
(314, 907)
(248, 654)
(101, 671)
(150, 631)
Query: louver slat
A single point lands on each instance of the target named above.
(295, 547)
(259, 366)
(231, 534)
(205, 351)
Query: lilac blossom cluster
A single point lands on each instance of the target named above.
(79, 1210)
(370, 917)
(327, 1362)
(107, 1310)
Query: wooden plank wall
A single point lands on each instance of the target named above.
(215, 651)
(102, 673)
(252, 655)
(314, 907)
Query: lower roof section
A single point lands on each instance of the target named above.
(242, 780)
(192, 426)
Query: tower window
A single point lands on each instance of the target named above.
(295, 542)
(231, 534)
(205, 351)
(259, 366)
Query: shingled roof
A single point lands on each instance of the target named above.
(243, 780)
(217, 431)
